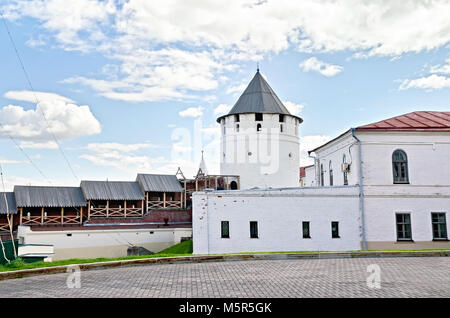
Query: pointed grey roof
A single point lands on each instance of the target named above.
(258, 97)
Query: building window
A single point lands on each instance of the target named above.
(225, 229)
(281, 119)
(281, 127)
(258, 127)
(403, 227)
(344, 160)
(305, 228)
(253, 229)
(236, 118)
(439, 226)
(335, 229)
(330, 168)
(321, 175)
(237, 127)
(400, 166)
(258, 117)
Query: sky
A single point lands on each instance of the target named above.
(96, 90)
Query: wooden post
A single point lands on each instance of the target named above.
(181, 200)
(42, 216)
(107, 208)
(125, 207)
(164, 200)
(62, 215)
(196, 184)
(146, 202)
(81, 215)
(89, 209)
(21, 215)
(185, 190)
(226, 183)
(239, 183)
(142, 206)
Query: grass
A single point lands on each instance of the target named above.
(181, 249)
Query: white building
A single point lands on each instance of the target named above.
(260, 140)
(380, 186)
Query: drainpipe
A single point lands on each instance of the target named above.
(361, 191)
(315, 168)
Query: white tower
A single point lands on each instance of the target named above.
(260, 140)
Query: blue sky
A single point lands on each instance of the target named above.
(136, 86)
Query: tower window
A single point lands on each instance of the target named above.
(258, 117)
(335, 229)
(281, 119)
(281, 127)
(237, 127)
(253, 229)
(305, 226)
(225, 229)
(258, 127)
(236, 118)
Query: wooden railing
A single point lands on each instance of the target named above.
(51, 219)
(154, 205)
(115, 212)
(4, 228)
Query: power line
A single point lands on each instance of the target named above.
(35, 97)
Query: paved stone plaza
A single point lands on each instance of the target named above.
(400, 277)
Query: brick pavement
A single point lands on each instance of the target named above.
(400, 277)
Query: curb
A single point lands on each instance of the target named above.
(219, 258)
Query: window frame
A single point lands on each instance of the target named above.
(402, 239)
(254, 235)
(394, 167)
(445, 226)
(222, 234)
(330, 171)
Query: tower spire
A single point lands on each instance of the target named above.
(257, 67)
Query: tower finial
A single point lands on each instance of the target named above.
(257, 67)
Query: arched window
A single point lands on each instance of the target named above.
(344, 160)
(400, 166)
(321, 175)
(258, 127)
(330, 168)
(233, 185)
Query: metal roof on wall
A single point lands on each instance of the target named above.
(258, 97)
(159, 183)
(112, 190)
(12, 209)
(45, 196)
(413, 121)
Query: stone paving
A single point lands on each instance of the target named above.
(400, 277)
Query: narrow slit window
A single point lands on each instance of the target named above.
(305, 229)
(335, 229)
(258, 127)
(253, 229)
(225, 229)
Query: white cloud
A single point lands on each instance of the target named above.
(63, 118)
(140, 36)
(236, 89)
(428, 83)
(441, 69)
(293, 108)
(120, 156)
(222, 109)
(39, 145)
(326, 69)
(9, 161)
(308, 143)
(193, 112)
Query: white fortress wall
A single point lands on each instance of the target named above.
(279, 213)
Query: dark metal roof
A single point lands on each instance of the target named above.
(258, 97)
(44, 196)
(12, 209)
(159, 183)
(413, 121)
(112, 190)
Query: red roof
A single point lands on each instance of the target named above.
(413, 121)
